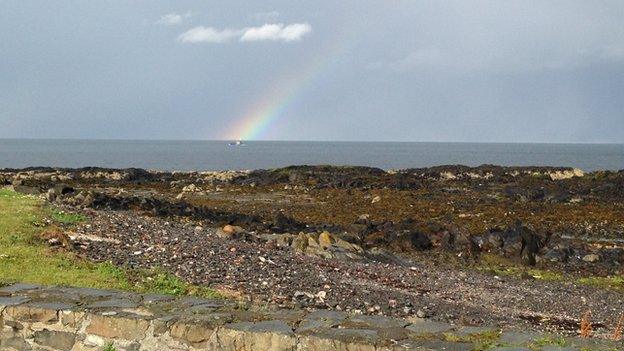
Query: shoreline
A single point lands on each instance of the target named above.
(479, 246)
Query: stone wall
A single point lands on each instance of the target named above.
(57, 318)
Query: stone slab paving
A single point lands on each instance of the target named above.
(59, 318)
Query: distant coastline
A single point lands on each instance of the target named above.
(188, 155)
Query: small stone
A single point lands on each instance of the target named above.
(325, 239)
(591, 258)
(376, 199)
(51, 195)
(190, 188)
(421, 314)
(230, 232)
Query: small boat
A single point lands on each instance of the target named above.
(236, 143)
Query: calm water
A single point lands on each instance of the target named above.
(217, 155)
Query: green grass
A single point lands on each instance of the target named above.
(109, 347)
(611, 282)
(503, 267)
(25, 258)
(548, 341)
(66, 218)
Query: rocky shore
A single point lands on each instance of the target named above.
(525, 247)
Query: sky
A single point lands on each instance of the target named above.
(395, 70)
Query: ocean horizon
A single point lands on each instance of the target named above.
(187, 155)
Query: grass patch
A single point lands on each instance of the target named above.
(503, 267)
(66, 218)
(484, 337)
(548, 341)
(611, 282)
(25, 258)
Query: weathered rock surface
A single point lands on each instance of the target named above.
(64, 323)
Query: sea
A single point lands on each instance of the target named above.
(204, 155)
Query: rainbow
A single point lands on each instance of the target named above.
(258, 118)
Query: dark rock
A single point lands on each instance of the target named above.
(283, 224)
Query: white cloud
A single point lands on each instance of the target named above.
(172, 19)
(275, 32)
(267, 32)
(265, 16)
(208, 35)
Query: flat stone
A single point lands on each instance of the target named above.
(559, 348)
(201, 309)
(29, 313)
(124, 327)
(71, 319)
(12, 301)
(429, 327)
(315, 343)
(89, 292)
(427, 345)
(273, 326)
(58, 306)
(18, 288)
(312, 325)
(213, 320)
(191, 333)
(349, 335)
(268, 335)
(14, 343)
(393, 333)
(375, 322)
(594, 344)
(510, 348)
(153, 298)
(57, 295)
(55, 339)
(519, 338)
(321, 319)
(287, 315)
(327, 315)
(469, 331)
(113, 303)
